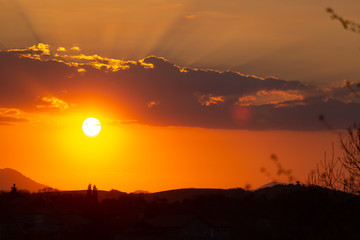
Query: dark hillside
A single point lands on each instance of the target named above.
(279, 212)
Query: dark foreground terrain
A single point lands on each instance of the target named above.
(279, 212)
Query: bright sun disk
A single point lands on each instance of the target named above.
(91, 127)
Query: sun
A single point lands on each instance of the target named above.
(91, 127)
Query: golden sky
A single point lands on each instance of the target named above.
(188, 93)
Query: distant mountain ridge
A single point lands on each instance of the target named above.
(9, 176)
(179, 195)
(189, 193)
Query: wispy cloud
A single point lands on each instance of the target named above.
(207, 100)
(275, 97)
(11, 116)
(53, 103)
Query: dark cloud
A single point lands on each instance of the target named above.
(156, 92)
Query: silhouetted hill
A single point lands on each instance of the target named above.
(113, 194)
(9, 176)
(175, 195)
(178, 195)
(277, 212)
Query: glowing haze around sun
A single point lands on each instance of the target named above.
(91, 127)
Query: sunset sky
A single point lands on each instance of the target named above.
(189, 93)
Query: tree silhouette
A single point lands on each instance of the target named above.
(280, 171)
(95, 194)
(88, 192)
(329, 173)
(13, 189)
(351, 158)
(347, 24)
(346, 175)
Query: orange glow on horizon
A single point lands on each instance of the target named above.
(130, 157)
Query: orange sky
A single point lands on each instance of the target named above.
(134, 157)
(158, 135)
(189, 94)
